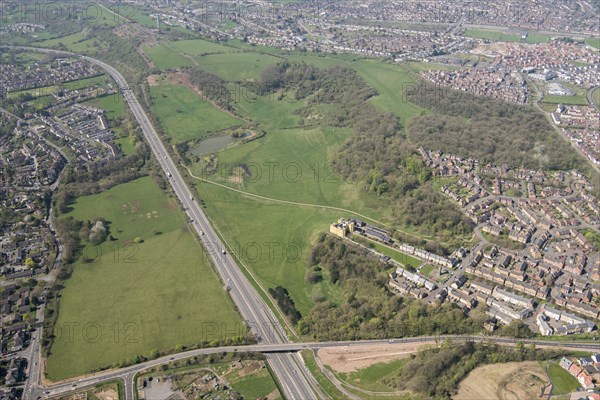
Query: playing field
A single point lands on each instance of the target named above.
(185, 115)
(574, 100)
(135, 298)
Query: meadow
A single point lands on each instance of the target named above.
(184, 115)
(133, 298)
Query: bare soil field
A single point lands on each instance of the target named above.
(508, 381)
(350, 359)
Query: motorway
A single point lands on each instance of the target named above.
(295, 380)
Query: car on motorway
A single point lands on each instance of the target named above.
(224, 252)
(169, 174)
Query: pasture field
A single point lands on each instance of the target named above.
(293, 165)
(134, 298)
(594, 42)
(198, 47)
(537, 38)
(184, 115)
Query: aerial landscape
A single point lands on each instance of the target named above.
(299, 199)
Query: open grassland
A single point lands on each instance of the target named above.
(514, 380)
(256, 385)
(563, 381)
(184, 115)
(483, 34)
(163, 57)
(136, 298)
(293, 165)
(272, 240)
(236, 66)
(372, 378)
(391, 82)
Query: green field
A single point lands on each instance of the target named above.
(537, 38)
(594, 42)
(483, 34)
(563, 381)
(391, 82)
(254, 386)
(276, 253)
(50, 90)
(506, 37)
(126, 146)
(184, 115)
(164, 57)
(112, 104)
(133, 298)
(596, 97)
(76, 43)
(574, 100)
(236, 66)
(371, 378)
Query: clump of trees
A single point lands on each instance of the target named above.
(285, 303)
(368, 309)
(211, 86)
(490, 130)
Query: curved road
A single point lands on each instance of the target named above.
(127, 374)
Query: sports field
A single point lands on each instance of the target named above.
(135, 298)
